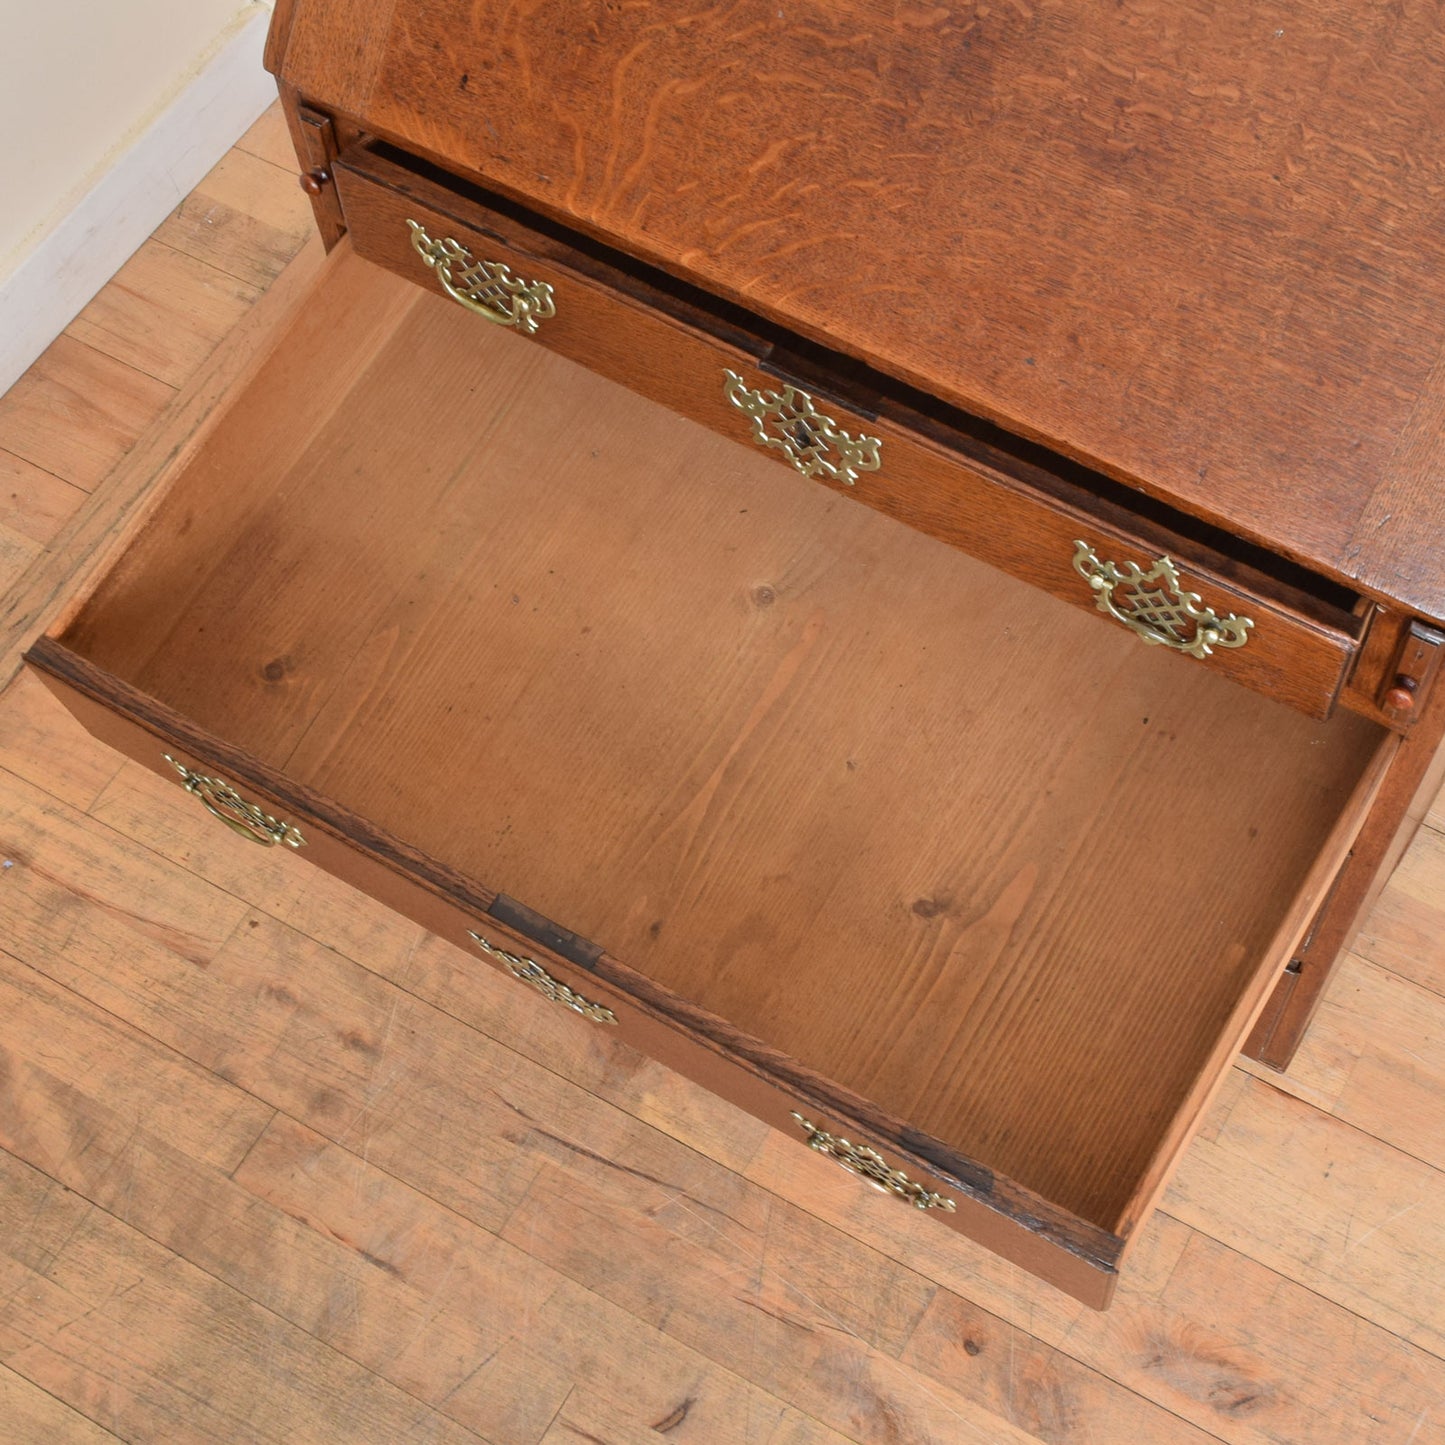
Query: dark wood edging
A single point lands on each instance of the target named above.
(1091, 1244)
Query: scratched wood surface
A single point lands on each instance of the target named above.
(246, 1193)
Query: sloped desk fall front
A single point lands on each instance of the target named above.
(883, 831)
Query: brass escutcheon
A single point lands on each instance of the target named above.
(531, 972)
(222, 801)
(789, 422)
(1156, 606)
(486, 287)
(871, 1166)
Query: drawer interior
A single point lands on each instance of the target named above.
(910, 822)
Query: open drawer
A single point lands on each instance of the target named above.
(907, 857)
(1264, 622)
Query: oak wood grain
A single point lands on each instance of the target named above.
(1195, 250)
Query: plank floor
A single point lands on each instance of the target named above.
(277, 1166)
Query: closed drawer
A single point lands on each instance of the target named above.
(1177, 584)
(933, 873)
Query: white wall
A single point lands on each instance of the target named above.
(79, 80)
(112, 110)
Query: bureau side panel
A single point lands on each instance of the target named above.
(1409, 788)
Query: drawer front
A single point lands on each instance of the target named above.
(606, 998)
(581, 305)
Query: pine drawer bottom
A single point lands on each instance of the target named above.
(913, 861)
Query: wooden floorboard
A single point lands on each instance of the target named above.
(163, 313)
(275, 1165)
(77, 412)
(246, 218)
(33, 1417)
(1406, 931)
(1390, 1085)
(34, 503)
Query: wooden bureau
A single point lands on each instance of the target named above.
(966, 834)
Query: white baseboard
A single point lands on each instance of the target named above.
(146, 181)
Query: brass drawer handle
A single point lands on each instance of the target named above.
(532, 972)
(222, 801)
(789, 422)
(868, 1164)
(1156, 606)
(486, 287)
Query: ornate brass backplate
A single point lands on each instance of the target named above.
(789, 422)
(870, 1165)
(486, 287)
(531, 972)
(222, 801)
(1156, 606)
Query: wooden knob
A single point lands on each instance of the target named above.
(312, 181)
(1401, 697)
